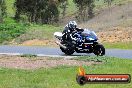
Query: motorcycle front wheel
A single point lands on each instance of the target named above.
(99, 50)
(67, 51)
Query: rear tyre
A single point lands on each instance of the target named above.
(99, 50)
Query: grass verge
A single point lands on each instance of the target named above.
(10, 29)
(63, 76)
(119, 45)
(41, 32)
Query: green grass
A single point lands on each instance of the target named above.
(10, 29)
(63, 76)
(10, 7)
(120, 45)
(29, 55)
(41, 32)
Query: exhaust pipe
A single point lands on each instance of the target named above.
(58, 43)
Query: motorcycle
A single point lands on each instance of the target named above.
(87, 42)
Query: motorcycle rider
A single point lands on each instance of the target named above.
(69, 31)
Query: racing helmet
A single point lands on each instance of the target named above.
(72, 25)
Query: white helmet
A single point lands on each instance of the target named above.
(72, 24)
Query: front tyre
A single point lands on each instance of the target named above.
(99, 50)
(68, 51)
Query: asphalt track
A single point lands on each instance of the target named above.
(56, 52)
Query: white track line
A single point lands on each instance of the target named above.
(40, 55)
(14, 54)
